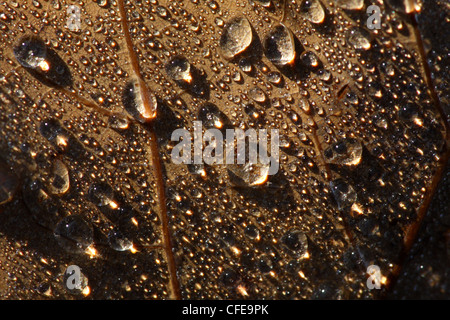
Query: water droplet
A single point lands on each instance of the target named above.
(74, 234)
(313, 11)
(138, 101)
(344, 152)
(52, 130)
(264, 3)
(350, 4)
(9, 183)
(59, 181)
(31, 52)
(101, 193)
(265, 263)
(229, 277)
(118, 122)
(408, 112)
(274, 77)
(257, 95)
(279, 46)
(343, 193)
(296, 242)
(118, 241)
(236, 37)
(179, 69)
(212, 117)
(359, 38)
(248, 175)
(245, 65)
(42, 62)
(310, 59)
(252, 232)
(324, 75)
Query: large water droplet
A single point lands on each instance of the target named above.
(405, 6)
(236, 37)
(179, 69)
(279, 46)
(343, 193)
(344, 152)
(296, 242)
(248, 175)
(138, 101)
(59, 181)
(74, 234)
(359, 38)
(350, 4)
(101, 193)
(31, 52)
(42, 62)
(9, 183)
(313, 11)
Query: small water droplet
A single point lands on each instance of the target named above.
(350, 4)
(248, 175)
(138, 101)
(118, 122)
(274, 77)
(296, 242)
(343, 193)
(279, 46)
(236, 37)
(59, 181)
(101, 193)
(9, 183)
(265, 263)
(179, 69)
(74, 234)
(212, 117)
(257, 95)
(310, 59)
(252, 232)
(313, 11)
(245, 65)
(344, 152)
(118, 241)
(324, 75)
(359, 38)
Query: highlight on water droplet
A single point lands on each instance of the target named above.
(236, 37)
(279, 46)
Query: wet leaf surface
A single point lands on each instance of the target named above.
(87, 178)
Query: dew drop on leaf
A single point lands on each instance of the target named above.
(236, 37)
(74, 234)
(313, 11)
(279, 45)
